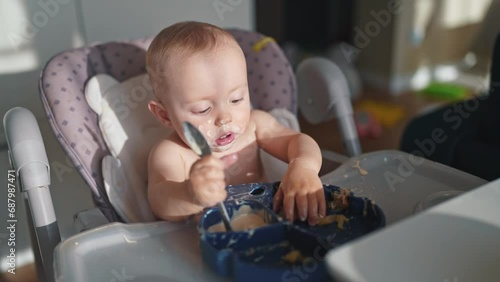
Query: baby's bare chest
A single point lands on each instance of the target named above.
(248, 168)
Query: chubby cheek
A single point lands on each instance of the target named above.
(208, 130)
(241, 121)
(205, 130)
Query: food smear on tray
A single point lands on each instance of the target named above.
(361, 170)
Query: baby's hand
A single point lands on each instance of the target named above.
(206, 179)
(301, 190)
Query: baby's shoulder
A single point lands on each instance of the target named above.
(258, 114)
(262, 116)
(168, 160)
(172, 146)
(259, 117)
(262, 120)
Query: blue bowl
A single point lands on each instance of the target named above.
(362, 216)
(259, 254)
(261, 192)
(217, 248)
(269, 262)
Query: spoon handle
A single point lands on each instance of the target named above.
(225, 216)
(199, 144)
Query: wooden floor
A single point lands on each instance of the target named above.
(25, 273)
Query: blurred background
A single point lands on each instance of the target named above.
(402, 58)
(394, 47)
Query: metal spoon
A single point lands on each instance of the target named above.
(200, 146)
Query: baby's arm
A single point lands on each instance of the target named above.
(301, 188)
(175, 195)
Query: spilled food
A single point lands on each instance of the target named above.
(339, 218)
(361, 170)
(293, 257)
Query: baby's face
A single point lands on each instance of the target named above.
(210, 90)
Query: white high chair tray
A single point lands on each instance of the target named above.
(398, 181)
(162, 251)
(452, 242)
(148, 252)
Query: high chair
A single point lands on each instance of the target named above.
(75, 123)
(62, 85)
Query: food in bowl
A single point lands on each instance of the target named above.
(242, 220)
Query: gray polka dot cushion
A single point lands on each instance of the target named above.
(270, 77)
(62, 81)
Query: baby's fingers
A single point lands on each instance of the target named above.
(211, 161)
(302, 205)
(210, 193)
(312, 208)
(208, 167)
(278, 200)
(289, 205)
(321, 202)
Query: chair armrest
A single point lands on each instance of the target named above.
(89, 219)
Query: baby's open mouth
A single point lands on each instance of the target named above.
(225, 139)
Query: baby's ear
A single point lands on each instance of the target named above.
(159, 112)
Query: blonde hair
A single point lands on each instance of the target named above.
(181, 40)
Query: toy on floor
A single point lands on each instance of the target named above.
(366, 125)
(447, 91)
(385, 113)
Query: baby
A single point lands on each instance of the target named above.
(198, 74)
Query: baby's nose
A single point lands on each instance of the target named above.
(224, 118)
